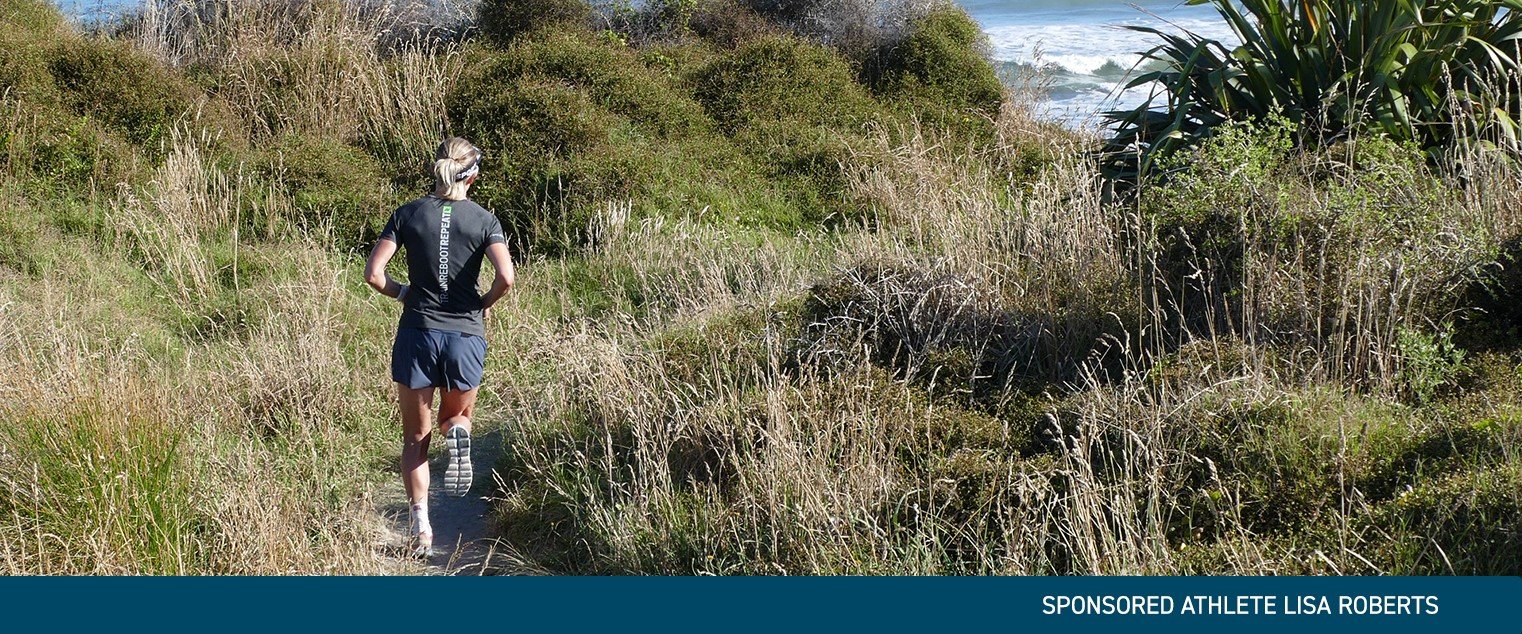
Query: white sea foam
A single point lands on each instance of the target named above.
(1084, 48)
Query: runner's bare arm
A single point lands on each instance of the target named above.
(501, 260)
(375, 269)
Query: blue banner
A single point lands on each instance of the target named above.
(1065, 604)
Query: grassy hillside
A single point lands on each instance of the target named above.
(796, 296)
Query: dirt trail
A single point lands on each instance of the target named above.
(462, 535)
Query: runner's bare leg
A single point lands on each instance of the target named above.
(417, 430)
(456, 408)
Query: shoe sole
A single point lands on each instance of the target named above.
(457, 476)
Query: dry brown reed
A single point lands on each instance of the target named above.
(375, 75)
(746, 431)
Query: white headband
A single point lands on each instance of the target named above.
(475, 168)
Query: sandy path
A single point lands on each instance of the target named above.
(462, 533)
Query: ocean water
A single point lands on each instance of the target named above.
(1080, 48)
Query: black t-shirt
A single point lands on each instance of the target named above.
(445, 241)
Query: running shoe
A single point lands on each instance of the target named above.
(457, 475)
(422, 545)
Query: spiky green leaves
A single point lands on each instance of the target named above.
(1438, 72)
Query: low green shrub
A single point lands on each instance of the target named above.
(568, 123)
(796, 109)
(1469, 523)
(503, 21)
(1263, 467)
(537, 115)
(782, 79)
(942, 72)
(730, 24)
(614, 77)
(1430, 364)
(132, 93)
(66, 131)
(1248, 225)
(537, 132)
(806, 162)
(36, 17)
(83, 112)
(335, 186)
(68, 155)
(1268, 465)
(24, 67)
(1398, 462)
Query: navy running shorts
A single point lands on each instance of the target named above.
(437, 358)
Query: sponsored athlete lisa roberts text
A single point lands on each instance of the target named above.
(1239, 605)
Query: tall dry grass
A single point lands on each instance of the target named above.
(192, 380)
(1003, 375)
(238, 457)
(192, 385)
(374, 74)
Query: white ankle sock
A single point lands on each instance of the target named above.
(420, 518)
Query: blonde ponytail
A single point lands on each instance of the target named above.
(454, 163)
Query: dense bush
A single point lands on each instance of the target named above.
(502, 21)
(795, 107)
(333, 186)
(941, 69)
(37, 17)
(782, 79)
(534, 120)
(730, 24)
(57, 149)
(616, 78)
(24, 67)
(82, 109)
(571, 120)
(131, 92)
(71, 154)
(567, 122)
